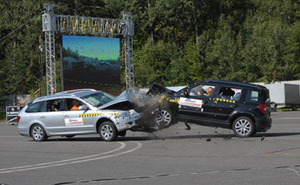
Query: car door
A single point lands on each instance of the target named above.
(224, 102)
(52, 116)
(193, 107)
(79, 121)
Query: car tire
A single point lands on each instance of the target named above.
(38, 133)
(122, 133)
(107, 131)
(243, 127)
(163, 118)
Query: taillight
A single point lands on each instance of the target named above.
(263, 108)
(18, 119)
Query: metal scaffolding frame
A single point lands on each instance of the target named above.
(86, 25)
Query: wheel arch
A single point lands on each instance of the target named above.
(101, 120)
(36, 123)
(235, 116)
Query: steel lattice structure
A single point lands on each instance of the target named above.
(86, 25)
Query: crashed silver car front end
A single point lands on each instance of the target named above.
(123, 120)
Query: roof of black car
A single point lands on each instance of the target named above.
(240, 84)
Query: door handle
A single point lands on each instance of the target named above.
(66, 116)
(43, 117)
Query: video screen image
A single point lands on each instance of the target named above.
(91, 62)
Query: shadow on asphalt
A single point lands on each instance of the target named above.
(279, 134)
(159, 137)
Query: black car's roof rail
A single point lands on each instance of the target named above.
(242, 84)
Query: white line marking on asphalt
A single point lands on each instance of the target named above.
(291, 118)
(72, 161)
(297, 173)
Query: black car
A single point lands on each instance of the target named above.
(242, 107)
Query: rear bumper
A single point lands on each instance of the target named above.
(263, 124)
(23, 131)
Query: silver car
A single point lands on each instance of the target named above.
(75, 112)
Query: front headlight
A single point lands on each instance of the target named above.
(125, 114)
(131, 111)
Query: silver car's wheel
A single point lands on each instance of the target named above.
(243, 127)
(107, 131)
(163, 118)
(38, 133)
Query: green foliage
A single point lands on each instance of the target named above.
(155, 62)
(176, 42)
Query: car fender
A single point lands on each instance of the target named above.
(237, 114)
(33, 122)
(119, 125)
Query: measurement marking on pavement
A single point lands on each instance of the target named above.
(291, 118)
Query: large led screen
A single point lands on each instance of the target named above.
(91, 62)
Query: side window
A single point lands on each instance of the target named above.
(54, 105)
(35, 107)
(73, 104)
(252, 96)
(43, 107)
(230, 93)
(202, 90)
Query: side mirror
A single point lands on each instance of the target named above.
(83, 107)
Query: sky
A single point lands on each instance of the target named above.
(102, 48)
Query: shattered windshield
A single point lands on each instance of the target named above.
(98, 99)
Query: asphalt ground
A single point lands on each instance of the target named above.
(173, 156)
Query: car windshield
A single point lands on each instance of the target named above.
(98, 99)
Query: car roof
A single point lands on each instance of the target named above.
(233, 83)
(68, 94)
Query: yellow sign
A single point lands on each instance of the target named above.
(176, 100)
(100, 114)
(221, 100)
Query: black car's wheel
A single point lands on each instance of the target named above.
(163, 118)
(38, 133)
(243, 127)
(107, 131)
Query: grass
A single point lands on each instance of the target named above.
(2, 116)
(285, 109)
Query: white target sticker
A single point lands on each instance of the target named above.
(190, 102)
(73, 121)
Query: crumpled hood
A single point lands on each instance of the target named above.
(138, 98)
(123, 97)
(156, 88)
